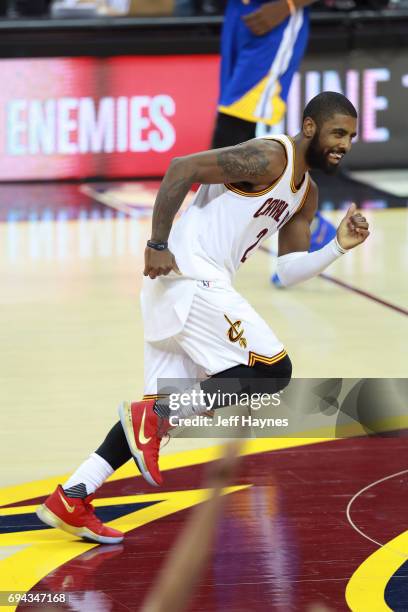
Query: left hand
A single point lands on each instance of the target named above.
(158, 263)
(267, 17)
(353, 229)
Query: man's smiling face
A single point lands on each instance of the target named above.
(331, 141)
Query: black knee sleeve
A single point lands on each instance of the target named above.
(277, 375)
(260, 378)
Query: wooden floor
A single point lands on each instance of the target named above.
(71, 339)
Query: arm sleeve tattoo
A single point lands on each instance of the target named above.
(243, 162)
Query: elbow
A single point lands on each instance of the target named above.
(180, 166)
(285, 279)
(176, 162)
(290, 269)
(183, 167)
(289, 277)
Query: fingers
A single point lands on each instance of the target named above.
(358, 227)
(357, 224)
(159, 263)
(352, 209)
(353, 229)
(361, 233)
(160, 271)
(164, 270)
(255, 22)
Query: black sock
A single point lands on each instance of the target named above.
(115, 449)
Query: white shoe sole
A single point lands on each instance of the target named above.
(49, 518)
(125, 415)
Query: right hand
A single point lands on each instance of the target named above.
(353, 229)
(266, 17)
(159, 263)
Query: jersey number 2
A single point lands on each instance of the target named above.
(261, 234)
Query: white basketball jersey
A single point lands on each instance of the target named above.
(224, 225)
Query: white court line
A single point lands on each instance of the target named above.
(352, 523)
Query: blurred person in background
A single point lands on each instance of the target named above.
(262, 46)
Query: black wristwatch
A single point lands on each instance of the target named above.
(157, 246)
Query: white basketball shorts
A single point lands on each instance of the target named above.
(221, 331)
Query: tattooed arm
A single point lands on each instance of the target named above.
(258, 162)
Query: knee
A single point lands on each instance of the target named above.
(277, 375)
(285, 370)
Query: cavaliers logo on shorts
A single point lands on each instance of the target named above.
(235, 334)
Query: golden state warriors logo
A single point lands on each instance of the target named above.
(234, 333)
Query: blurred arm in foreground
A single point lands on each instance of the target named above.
(187, 559)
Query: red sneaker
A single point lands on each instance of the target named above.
(76, 516)
(144, 431)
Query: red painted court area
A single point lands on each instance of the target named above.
(284, 543)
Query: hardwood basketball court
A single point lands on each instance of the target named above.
(72, 348)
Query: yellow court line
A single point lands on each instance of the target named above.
(48, 549)
(126, 522)
(39, 488)
(100, 501)
(366, 587)
(53, 548)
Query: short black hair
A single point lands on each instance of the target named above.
(326, 104)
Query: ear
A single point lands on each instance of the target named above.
(309, 128)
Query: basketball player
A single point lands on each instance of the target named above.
(196, 325)
(262, 46)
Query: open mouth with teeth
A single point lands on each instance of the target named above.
(335, 158)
